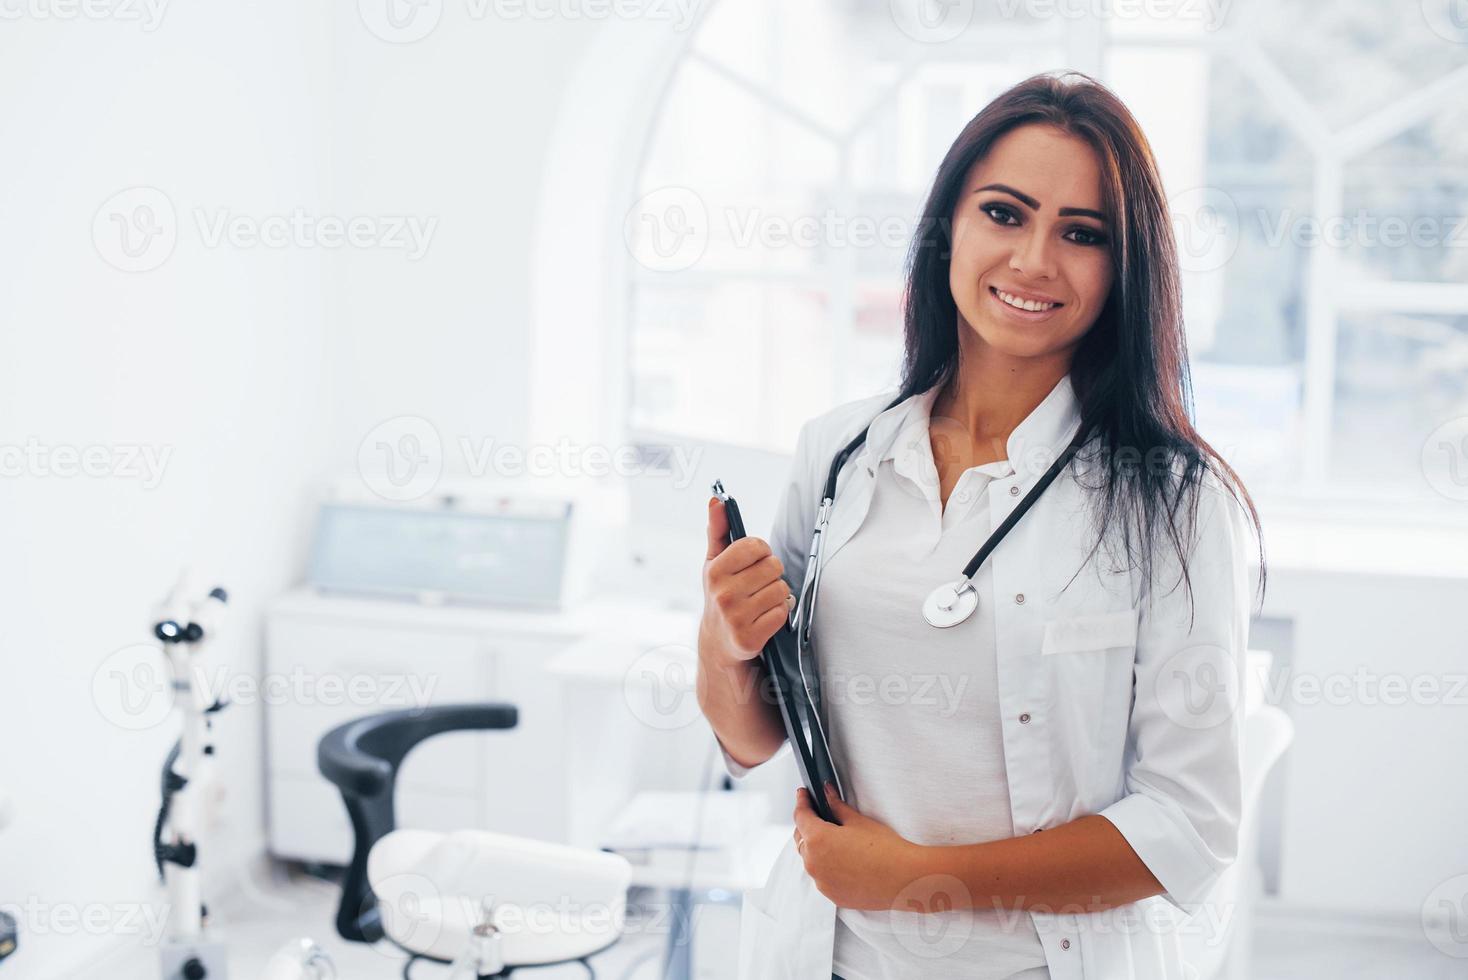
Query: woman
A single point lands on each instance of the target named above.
(1092, 693)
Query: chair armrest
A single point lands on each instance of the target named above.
(362, 758)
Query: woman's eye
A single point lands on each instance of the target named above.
(998, 209)
(1003, 215)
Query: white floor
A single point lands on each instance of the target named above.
(264, 914)
(261, 915)
(1296, 947)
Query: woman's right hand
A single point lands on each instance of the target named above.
(745, 601)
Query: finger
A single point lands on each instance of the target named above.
(741, 555)
(807, 821)
(772, 596)
(718, 528)
(762, 574)
(842, 810)
(768, 623)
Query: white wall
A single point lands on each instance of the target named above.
(259, 369)
(453, 127)
(1372, 792)
(217, 356)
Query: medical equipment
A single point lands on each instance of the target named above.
(300, 959)
(184, 626)
(511, 556)
(186, 622)
(787, 656)
(424, 891)
(484, 954)
(948, 604)
(9, 928)
(466, 542)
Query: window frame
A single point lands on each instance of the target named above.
(1328, 295)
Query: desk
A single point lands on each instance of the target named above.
(334, 658)
(750, 871)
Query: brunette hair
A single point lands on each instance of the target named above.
(1130, 370)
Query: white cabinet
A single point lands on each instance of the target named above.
(329, 660)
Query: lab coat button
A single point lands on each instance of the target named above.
(1065, 944)
(1019, 598)
(1014, 490)
(1024, 719)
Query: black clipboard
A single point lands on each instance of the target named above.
(780, 660)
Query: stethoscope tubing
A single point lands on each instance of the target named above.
(803, 615)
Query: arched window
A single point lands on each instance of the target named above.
(1315, 156)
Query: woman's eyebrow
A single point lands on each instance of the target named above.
(1034, 205)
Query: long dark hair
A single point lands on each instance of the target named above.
(1130, 370)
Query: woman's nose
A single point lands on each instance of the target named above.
(1033, 257)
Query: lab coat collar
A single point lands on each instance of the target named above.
(917, 410)
(1031, 448)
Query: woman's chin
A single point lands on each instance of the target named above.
(1015, 340)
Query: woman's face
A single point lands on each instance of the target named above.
(1029, 224)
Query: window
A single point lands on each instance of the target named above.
(1316, 157)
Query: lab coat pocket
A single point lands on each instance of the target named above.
(1091, 658)
(758, 939)
(1096, 631)
(787, 928)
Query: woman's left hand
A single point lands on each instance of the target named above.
(860, 864)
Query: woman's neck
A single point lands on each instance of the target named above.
(990, 395)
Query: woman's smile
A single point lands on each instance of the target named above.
(1032, 310)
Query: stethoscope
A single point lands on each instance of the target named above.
(950, 603)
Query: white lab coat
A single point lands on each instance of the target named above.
(1110, 704)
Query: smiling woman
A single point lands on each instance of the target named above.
(1051, 195)
(1042, 315)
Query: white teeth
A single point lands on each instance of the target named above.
(1023, 304)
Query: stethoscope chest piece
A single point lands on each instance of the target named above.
(951, 603)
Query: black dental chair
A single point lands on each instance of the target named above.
(433, 885)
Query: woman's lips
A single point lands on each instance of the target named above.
(1024, 316)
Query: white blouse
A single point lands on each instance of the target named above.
(913, 714)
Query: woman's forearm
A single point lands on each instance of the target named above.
(1083, 866)
(735, 699)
